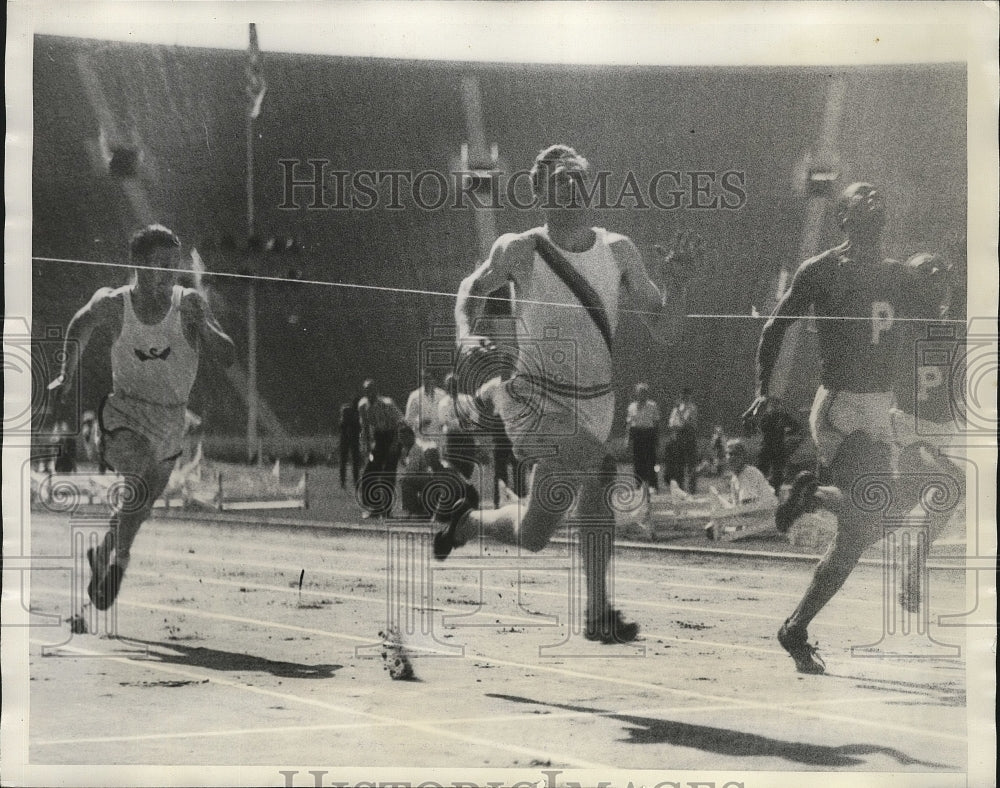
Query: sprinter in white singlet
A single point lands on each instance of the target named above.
(161, 329)
(558, 405)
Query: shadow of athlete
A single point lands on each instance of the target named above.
(725, 741)
(215, 659)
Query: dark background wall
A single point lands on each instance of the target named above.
(904, 128)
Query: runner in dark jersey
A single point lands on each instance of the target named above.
(861, 302)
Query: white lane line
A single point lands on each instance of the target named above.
(422, 727)
(369, 600)
(199, 613)
(803, 572)
(299, 729)
(361, 574)
(734, 702)
(934, 669)
(715, 612)
(742, 702)
(492, 718)
(709, 570)
(648, 634)
(712, 566)
(930, 670)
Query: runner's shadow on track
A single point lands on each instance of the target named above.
(724, 741)
(213, 659)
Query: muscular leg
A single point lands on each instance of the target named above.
(145, 477)
(530, 522)
(857, 529)
(596, 523)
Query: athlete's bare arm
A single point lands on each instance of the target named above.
(203, 331)
(104, 309)
(647, 297)
(793, 304)
(508, 252)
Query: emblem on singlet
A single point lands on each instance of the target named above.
(153, 354)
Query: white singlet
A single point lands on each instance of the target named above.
(564, 365)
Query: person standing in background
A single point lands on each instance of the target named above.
(423, 409)
(718, 449)
(684, 419)
(380, 421)
(350, 438)
(643, 421)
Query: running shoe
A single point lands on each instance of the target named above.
(104, 585)
(805, 654)
(611, 628)
(800, 500)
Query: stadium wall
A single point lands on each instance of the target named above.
(903, 127)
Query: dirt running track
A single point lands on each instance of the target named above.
(221, 659)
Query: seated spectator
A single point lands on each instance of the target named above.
(749, 494)
(749, 489)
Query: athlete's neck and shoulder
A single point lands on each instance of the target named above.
(556, 177)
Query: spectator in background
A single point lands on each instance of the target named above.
(350, 439)
(456, 414)
(684, 419)
(748, 488)
(780, 434)
(90, 434)
(673, 467)
(192, 435)
(749, 494)
(414, 472)
(643, 420)
(423, 433)
(423, 408)
(65, 443)
(380, 419)
(718, 450)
